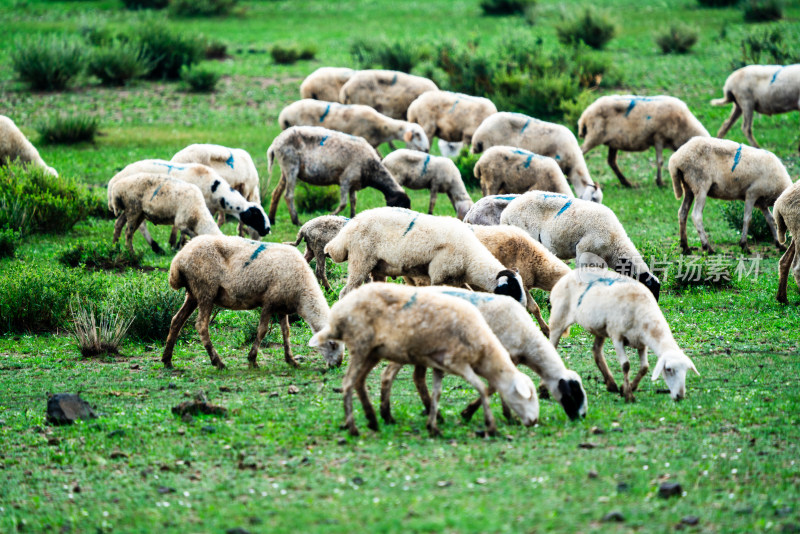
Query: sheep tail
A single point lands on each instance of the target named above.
(780, 225)
(270, 158)
(677, 179)
(299, 239)
(176, 279)
(722, 101)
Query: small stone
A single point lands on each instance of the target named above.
(115, 454)
(52, 440)
(237, 530)
(690, 520)
(444, 483)
(481, 481)
(622, 487)
(293, 390)
(163, 490)
(172, 385)
(135, 366)
(187, 418)
(593, 474)
(225, 389)
(181, 431)
(615, 516)
(587, 445)
(337, 390)
(596, 430)
(208, 429)
(342, 441)
(669, 489)
(274, 394)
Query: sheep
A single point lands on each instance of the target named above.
(325, 83)
(319, 156)
(608, 304)
(768, 89)
(409, 326)
(787, 217)
(487, 210)
(635, 123)
(362, 121)
(511, 170)
(574, 228)
(388, 91)
(544, 138)
(448, 149)
(414, 170)
(400, 242)
(525, 344)
(159, 199)
(317, 233)
(240, 274)
(450, 116)
(15, 146)
(717, 168)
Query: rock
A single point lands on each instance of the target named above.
(587, 445)
(690, 520)
(481, 481)
(199, 405)
(615, 516)
(669, 489)
(225, 389)
(444, 483)
(293, 390)
(592, 473)
(597, 431)
(274, 394)
(622, 487)
(163, 490)
(115, 454)
(52, 440)
(66, 408)
(208, 429)
(237, 530)
(342, 441)
(358, 481)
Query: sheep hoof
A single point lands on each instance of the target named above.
(434, 431)
(709, 250)
(612, 388)
(781, 297)
(353, 431)
(168, 363)
(466, 414)
(218, 364)
(388, 419)
(373, 425)
(686, 249)
(253, 364)
(291, 361)
(492, 432)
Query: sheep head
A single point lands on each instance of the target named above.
(255, 218)
(651, 282)
(520, 395)
(332, 350)
(510, 283)
(415, 138)
(673, 366)
(571, 395)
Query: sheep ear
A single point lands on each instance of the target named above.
(523, 389)
(408, 136)
(316, 340)
(659, 368)
(695, 369)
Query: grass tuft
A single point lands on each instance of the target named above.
(48, 63)
(68, 130)
(97, 335)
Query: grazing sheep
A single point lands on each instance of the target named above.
(362, 121)
(635, 123)
(510, 170)
(409, 326)
(317, 233)
(448, 149)
(319, 156)
(574, 228)
(414, 170)
(399, 242)
(388, 91)
(608, 304)
(241, 274)
(768, 89)
(716, 168)
(450, 116)
(525, 344)
(487, 210)
(15, 146)
(159, 199)
(787, 217)
(325, 83)
(544, 138)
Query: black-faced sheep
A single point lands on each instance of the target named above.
(388, 91)
(318, 233)
(325, 83)
(14, 146)
(787, 217)
(453, 117)
(510, 170)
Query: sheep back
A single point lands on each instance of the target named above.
(389, 92)
(325, 83)
(453, 117)
(511, 170)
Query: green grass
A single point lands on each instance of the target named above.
(280, 463)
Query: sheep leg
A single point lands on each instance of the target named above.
(600, 360)
(220, 218)
(433, 430)
(358, 271)
(264, 322)
(683, 215)
(363, 395)
(276, 198)
(189, 305)
(434, 194)
(534, 309)
(288, 196)
(644, 366)
(468, 374)
(627, 392)
(747, 124)
(320, 269)
(347, 392)
(784, 267)
(133, 225)
(352, 196)
(203, 318)
(659, 145)
(734, 116)
(422, 388)
(173, 237)
(472, 407)
(771, 223)
(749, 203)
(612, 162)
(387, 378)
(697, 219)
(119, 224)
(287, 349)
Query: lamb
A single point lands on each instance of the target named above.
(574, 228)
(414, 170)
(487, 210)
(608, 304)
(768, 89)
(544, 138)
(510, 170)
(409, 326)
(317, 233)
(787, 216)
(388, 91)
(325, 83)
(716, 168)
(450, 116)
(15, 146)
(319, 156)
(159, 199)
(362, 121)
(399, 242)
(525, 344)
(635, 123)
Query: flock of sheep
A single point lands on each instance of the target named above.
(464, 307)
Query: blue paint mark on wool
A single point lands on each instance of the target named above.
(425, 165)
(554, 195)
(410, 302)
(775, 75)
(394, 80)
(608, 281)
(473, 297)
(170, 167)
(156, 192)
(736, 158)
(259, 250)
(637, 99)
(506, 197)
(229, 161)
(327, 110)
(322, 141)
(454, 106)
(563, 208)
(411, 224)
(527, 122)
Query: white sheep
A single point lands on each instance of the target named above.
(354, 119)
(717, 168)
(318, 232)
(450, 116)
(540, 137)
(400, 242)
(319, 156)
(448, 149)
(414, 170)
(14, 146)
(787, 217)
(768, 89)
(325, 83)
(409, 326)
(608, 304)
(487, 210)
(510, 170)
(241, 274)
(574, 228)
(388, 91)
(636, 123)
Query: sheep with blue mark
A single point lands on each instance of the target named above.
(317, 233)
(767, 89)
(707, 167)
(15, 147)
(487, 210)
(387, 91)
(636, 123)
(241, 274)
(787, 217)
(511, 170)
(574, 228)
(319, 156)
(325, 83)
(607, 304)
(453, 117)
(540, 137)
(354, 119)
(414, 170)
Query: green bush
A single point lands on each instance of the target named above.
(145, 4)
(465, 161)
(288, 54)
(316, 198)
(199, 79)
(15, 215)
(118, 62)
(574, 107)
(100, 256)
(590, 27)
(677, 40)
(392, 55)
(718, 3)
(216, 50)
(733, 212)
(48, 63)
(9, 239)
(506, 7)
(150, 301)
(202, 8)
(762, 10)
(769, 48)
(168, 50)
(67, 130)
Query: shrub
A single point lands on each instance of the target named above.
(316, 198)
(762, 10)
(95, 339)
(573, 108)
(199, 79)
(768, 48)
(733, 212)
(465, 161)
(677, 40)
(99, 256)
(718, 3)
(591, 27)
(216, 50)
(284, 55)
(15, 215)
(392, 55)
(506, 7)
(151, 302)
(48, 63)
(97, 204)
(202, 8)
(9, 239)
(168, 50)
(67, 130)
(145, 4)
(118, 62)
